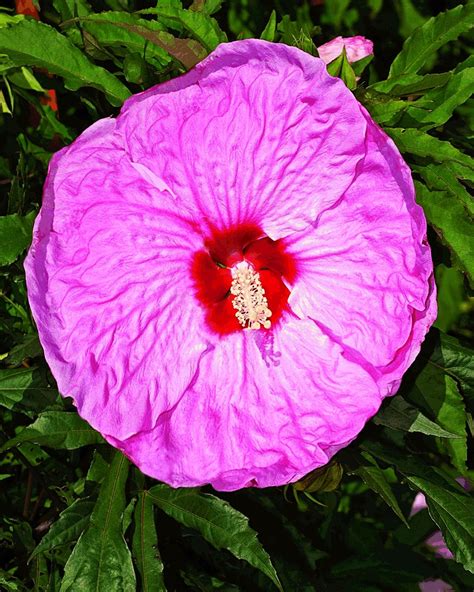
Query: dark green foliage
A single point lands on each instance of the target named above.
(76, 515)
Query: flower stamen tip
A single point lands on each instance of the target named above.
(250, 302)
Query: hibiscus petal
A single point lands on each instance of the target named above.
(258, 132)
(285, 402)
(365, 270)
(110, 287)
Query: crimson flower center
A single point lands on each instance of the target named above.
(239, 279)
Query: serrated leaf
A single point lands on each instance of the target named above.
(270, 29)
(101, 560)
(145, 546)
(57, 429)
(201, 26)
(451, 508)
(443, 177)
(413, 141)
(15, 236)
(218, 522)
(31, 43)
(428, 38)
(438, 105)
(400, 415)
(449, 218)
(144, 37)
(374, 477)
(68, 527)
(211, 6)
(454, 515)
(410, 84)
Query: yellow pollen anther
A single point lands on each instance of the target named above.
(250, 303)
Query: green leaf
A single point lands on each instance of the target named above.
(454, 515)
(101, 560)
(29, 347)
(294, 33)
(24, 78)
(443, 177)
(31, 43)
(69, 9)
(207, 6)
(428, 38)
(449, 218)
(24, 387)
(438, 105)
(201, 26)
(57, 429)
(145, 546)
(68, 527)
(411, 84)
(450, 284)
(413, 141)
(4, 106)
(457, 361)
(120, 29)
(359, 66)
(437, 393)
(15, 236)
(400, 415)
(384, 109)
(374, 477)
(451, 508)
(218, 522)
(340, 67)
(270, 29)
(409, 17)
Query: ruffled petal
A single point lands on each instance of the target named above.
(256, 133)
(264, 409)
(110, 288)
(365, 269)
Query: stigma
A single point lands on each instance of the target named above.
(249, 302)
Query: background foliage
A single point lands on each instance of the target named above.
(75, 515)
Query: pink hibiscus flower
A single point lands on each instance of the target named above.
(254, 191)
(357, 47)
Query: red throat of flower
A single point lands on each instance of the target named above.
(239, 279)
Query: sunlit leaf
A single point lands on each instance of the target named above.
(31, 43)
(450, 220)
(57, 429)
(428, 38)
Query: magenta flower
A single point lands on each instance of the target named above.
(230, 276)
(357, 47)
